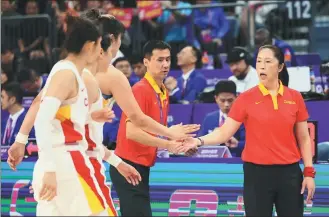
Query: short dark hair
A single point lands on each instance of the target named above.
(26, 74)
(109, 24)
(198, 55)
(79, 32)
(13, 89)
(278, 54)
(263, 36)
(119, 59)
(152, 45)
(225, 86)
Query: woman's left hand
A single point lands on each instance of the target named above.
(308, 183)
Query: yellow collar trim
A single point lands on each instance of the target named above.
(150, 79)
(265, 91)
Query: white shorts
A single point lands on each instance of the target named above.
(99, 170)
(78, 193)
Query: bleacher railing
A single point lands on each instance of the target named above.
(289, 20)
(26, 29)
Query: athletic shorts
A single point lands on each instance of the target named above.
(99, 170)
(78, 192)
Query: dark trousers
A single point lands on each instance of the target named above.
(134, 200)
(265, 185)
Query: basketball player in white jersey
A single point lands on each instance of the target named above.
(63, 179)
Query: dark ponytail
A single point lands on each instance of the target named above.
(79, 31)
(284, 76)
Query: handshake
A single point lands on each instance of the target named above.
(189, 145)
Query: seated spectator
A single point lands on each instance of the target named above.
(8, 8)
(7, 55)
(264, 37)
(244, 75)
(212, 26)
(33, 39)
(138, 66)
(11, 101)
(13, 60)
(188, 86)
(7, 75)
(225, 94)
(31, 81)
(9, 27)
(124, 66)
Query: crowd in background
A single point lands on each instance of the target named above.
(29, 48)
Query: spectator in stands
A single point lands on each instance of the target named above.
(177, 26)
(7, 75)
(11, 101)
(13, 60)
(188, 86)
(31, 81)
(7, 55)
(251, 16)
(123, 64)
(9, 27)
(138, 66)
(244, 75)
(211, 25)
(225, 94)
(8, 8)
(33, 39)
(264, 37)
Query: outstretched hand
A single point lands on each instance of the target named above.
(175, 147)
(180, 131)
(190, 144)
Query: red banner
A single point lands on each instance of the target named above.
(149, 9)
(123, 14)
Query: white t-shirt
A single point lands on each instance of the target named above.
(251, 80)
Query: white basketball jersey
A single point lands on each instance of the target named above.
(71, 117)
